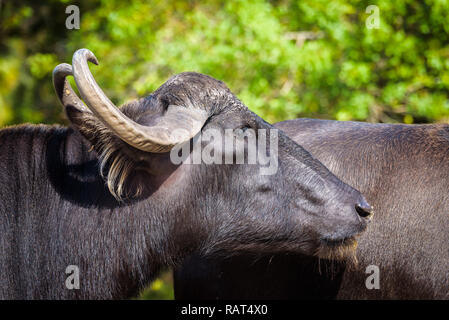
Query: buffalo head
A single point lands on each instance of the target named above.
(300, 206)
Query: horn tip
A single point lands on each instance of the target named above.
(64, 68)
(87, 54)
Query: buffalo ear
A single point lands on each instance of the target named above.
(122, 166)
(75, 115)
(88, 125)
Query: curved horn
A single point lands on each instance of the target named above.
(63, 89)
(179, 124)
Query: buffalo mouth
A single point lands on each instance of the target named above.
(336, 243)
(338, 249)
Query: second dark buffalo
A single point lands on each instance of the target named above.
(404, 172)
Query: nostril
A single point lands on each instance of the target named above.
(364, 210)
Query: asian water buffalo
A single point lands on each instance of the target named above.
(403, 170)
(104, 196)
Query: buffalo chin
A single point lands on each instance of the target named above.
(344, 249)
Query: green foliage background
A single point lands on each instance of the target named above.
(284, 59)
(397, 73)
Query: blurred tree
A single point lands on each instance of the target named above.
(160, 289)
(32, 41)
(284, 59)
